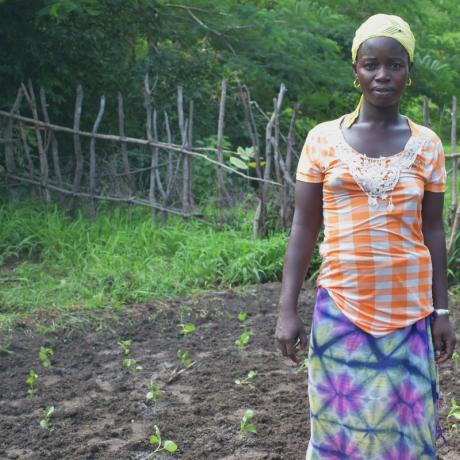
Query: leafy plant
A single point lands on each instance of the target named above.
(247, 380)
(243, 339)
(130, 362)
(45, 420)
(125, 344)
(303, 366)
(154, 392)
(31, 380)
(454, 413)
(44, 354)
(242, 316)
(167, 445)
(187, 328)
(244, 425)
(184, 358)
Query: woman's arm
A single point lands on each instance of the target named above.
(433, 234)
(307, 221)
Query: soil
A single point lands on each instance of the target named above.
(101, 410)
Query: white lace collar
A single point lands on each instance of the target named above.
(377, 177)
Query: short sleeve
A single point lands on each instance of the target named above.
(436, 179)
(309, 168)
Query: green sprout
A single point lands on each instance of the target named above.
(242, 316)
(125, 344)
(455, 357)
(184, 358)
(454, 413)
(154, 392)
(31, 380)
(187, 328)
(44, 354)
(130, 362)
(155, 440)
(244, 425)
(303, 366)
(243, 339)
(45, 420)
(247, 379)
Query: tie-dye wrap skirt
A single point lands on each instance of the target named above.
(370, 398)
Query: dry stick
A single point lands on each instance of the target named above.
(136, 141)
(453, 142)
(9, 149)
(130, 200)
(44, 172)
(171, 174)
(426, 112)
(185, 163)
(92, 157)
(124, 149)
(26, 146)
(154, 172)
(153, 148)
(250, 125)
(188, 198)
(223, 194)
(52, 137)
(77, 145)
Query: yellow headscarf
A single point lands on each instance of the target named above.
(380, 25)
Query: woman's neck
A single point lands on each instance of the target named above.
(373, 115)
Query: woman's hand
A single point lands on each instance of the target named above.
(289, 329)
(443, 338)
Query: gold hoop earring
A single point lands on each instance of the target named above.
(409, 82)
(356, 84)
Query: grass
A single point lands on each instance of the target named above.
(121, 258)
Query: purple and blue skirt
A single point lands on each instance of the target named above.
(370, 398)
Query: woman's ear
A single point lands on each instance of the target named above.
(353, 66)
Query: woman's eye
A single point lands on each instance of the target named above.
(396, 66)
(369, 66)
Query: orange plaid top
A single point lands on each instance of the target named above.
(375, 264)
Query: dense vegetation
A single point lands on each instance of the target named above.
(108, 46)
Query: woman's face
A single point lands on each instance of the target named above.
(383, 69)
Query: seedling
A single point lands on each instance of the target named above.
(45, 420)
(242, 316)
(243, 340)
(125, 344)
(154, 392)
(303, 366)
(130, 362)
(247, 379)
(454, 413)
(455, 357)
(30, 381)
(187, 328)
(183, 357)
(244, 425)
(155, 440)
(44, 354)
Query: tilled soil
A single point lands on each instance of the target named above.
(101, 410)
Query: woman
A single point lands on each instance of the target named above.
(380, 323)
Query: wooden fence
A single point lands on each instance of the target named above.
(32, 157)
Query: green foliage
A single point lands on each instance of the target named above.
(46, 417)
(183, 357)
(44, 354)
(167, 445)
(187, 328)
(122, 258)
(243, 339)
(247, 380)
(125, 344)
(31, 381)
(244, 423)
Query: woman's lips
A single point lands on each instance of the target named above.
(382, 90)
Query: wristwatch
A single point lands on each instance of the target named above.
(441, 312)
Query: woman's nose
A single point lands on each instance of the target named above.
(382, 74)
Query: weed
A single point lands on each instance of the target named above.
(44, 354)
(184, 358)
(45, 420)
(303, 366)
(154, 392)
(187, 328)
(30, 381)
(455, 357)
(167, 445)
(130, 362)
(247, 380)
(243, 339)
(242, 316)
(244, 425)
(125, 344)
